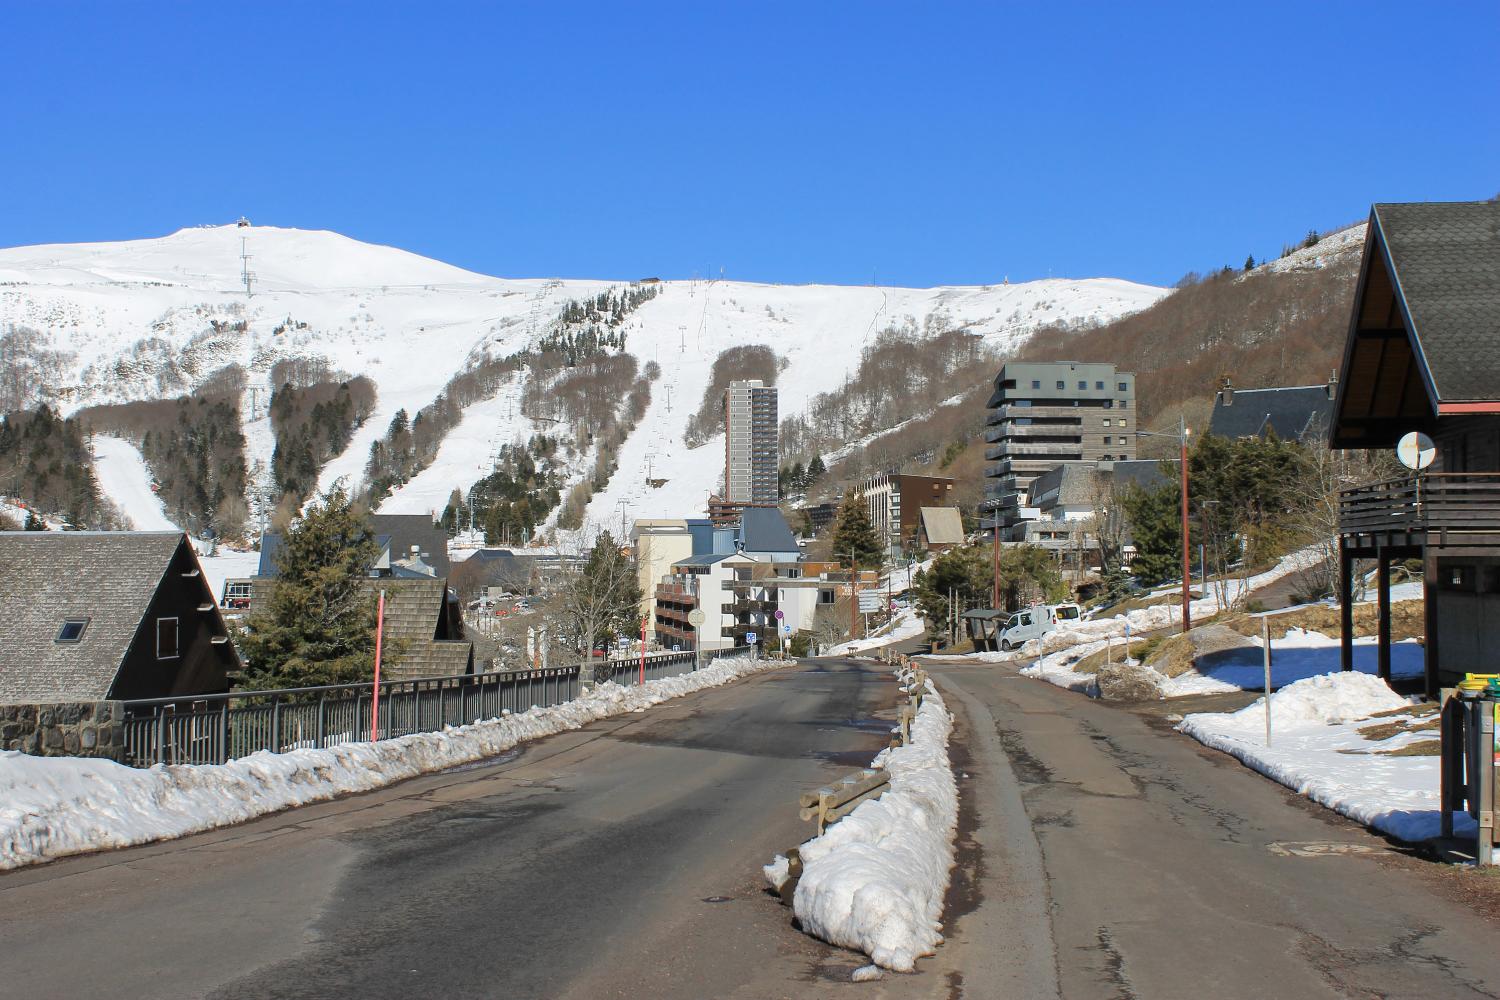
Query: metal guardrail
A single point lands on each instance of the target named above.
(831, 803)
(213, 729)
(1458, 501)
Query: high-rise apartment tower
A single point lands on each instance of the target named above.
(751, 452)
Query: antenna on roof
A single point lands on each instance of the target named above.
(246, 275)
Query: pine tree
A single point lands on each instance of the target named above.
(34, 523)
(815, 469)
(449, 521)
(318, 625)
(1250, 262)
(854, 534)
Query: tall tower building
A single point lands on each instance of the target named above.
(751, 452)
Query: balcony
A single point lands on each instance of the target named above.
(1466, 504)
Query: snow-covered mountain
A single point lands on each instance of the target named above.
(144, 319)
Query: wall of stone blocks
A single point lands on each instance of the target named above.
(65, 729)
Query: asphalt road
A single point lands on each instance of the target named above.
(619, 860)
(1118, 859)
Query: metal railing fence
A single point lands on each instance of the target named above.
(213, 729)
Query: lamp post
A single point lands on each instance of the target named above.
(1182, 441)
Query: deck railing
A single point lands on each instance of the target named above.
(1457, 501)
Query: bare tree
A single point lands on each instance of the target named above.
(595, 595)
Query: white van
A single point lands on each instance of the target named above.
(1035, 622)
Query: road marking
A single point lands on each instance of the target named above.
(1319, 849)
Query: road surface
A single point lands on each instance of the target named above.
(620, 860)
(1123, 860)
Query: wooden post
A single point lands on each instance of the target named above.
(1383, 629)
(1430, 653)
(1346, 607)
(1265, 632)
(375, 691)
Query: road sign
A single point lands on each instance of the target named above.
(695, 617)
(1416, 450)
(779, 615)
(869, 603)
(749, 638)
(787, 629)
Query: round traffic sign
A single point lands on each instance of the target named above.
(696, 617)
(1416, 450)
(779, 615)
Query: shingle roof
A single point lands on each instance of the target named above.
(943, 525)
(1446, 260)
(407, 530)
(1142, 472)
(1293, 411)
(107, 577)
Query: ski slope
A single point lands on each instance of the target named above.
(124, 478)
(153, 318)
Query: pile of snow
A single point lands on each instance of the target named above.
(875, 880)
(1317, 750)
(51, 807)
(907, 624)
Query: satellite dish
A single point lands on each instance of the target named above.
(1415, 450)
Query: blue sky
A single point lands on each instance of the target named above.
(914, 144)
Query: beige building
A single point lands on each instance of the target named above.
(658, 543)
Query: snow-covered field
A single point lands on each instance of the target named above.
(51, 807)
(1317, 749)
(124, 312)
(874, 881)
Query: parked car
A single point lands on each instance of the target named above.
(1035, 622)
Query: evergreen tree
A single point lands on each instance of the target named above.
(34, 523)
(1250, 262)
(853, 533)
(1156, 528)
(318, 625)
(450, 519)
(815, 469)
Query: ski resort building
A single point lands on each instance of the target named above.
(896, 500)
(1423, 354)
(1043, 414)
(90, 616)
(751, 454)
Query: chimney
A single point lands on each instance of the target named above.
(1333, 384)
(1226, 390)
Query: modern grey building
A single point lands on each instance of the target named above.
(751, 452)
(1045, 413)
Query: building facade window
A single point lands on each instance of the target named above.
(1083, 384)
(166, 639)
(1099, 385)
(1124, 387)
(1036, 383)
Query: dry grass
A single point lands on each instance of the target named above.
(1407, 621)
(1421, 748)
(1386, 730)
(1139, 648)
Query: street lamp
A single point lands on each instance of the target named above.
(1182, 440)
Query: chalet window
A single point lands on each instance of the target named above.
(72, 630)
(166, 639)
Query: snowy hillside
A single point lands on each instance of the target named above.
(152, 318)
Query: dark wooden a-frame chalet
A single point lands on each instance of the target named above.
(1423, 354)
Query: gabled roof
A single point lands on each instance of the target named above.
(394, 533)
(1291, 411)
(943, 525)
(1424, 334)
(1445, 259)
(107, 577)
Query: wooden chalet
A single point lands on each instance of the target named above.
(1423, 354)
(88, 616)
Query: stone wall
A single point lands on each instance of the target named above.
(65, 729)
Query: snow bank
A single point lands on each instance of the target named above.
(1317, 750)
(51, 807)
(875, 880)
(907, 624)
